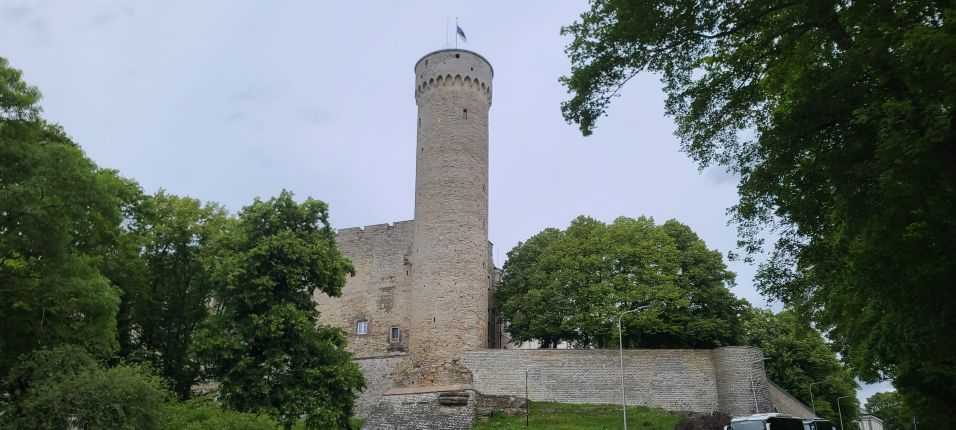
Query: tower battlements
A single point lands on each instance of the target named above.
(456, 68)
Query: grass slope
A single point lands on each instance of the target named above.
(563, 416)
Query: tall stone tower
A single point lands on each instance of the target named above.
(450, 249)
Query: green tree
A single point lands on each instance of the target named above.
(572, 285)
(800, 356)
(65, 388)
(166, 305)
(891, 408)
(263, 344)
(840, 119)
(59, 215)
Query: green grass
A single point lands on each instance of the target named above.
(355, 422)
(563, 416)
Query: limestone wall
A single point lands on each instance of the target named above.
(379, 375)
(451, 273)
(786, 403)
(380, 291)
(678, 380)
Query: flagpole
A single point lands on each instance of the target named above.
(446, 32)
(456, 32)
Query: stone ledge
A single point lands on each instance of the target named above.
(429, 389)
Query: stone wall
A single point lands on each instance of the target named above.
(430, 410)
(450, 257)
(379, 375)
(677, 380)
(379, 292)
(786, 403)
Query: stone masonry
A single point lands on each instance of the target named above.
(422, 287)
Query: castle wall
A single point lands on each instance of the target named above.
(380, 291)
(675, 379)
(379, 375)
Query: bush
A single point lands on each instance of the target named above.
(205, 414)
(65, 388)
(714, 421)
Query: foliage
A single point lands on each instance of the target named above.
(59, 216)
(840, 118)
(714, 421)
(66, 388)
(262, 344)
(799, 356)
(572, 285)
(204, 414)
(891, 408)
(563, 416)
(166, 305)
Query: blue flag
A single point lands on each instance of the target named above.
(461, 33)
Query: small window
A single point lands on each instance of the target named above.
(396, 335)
(464, 114)
(457, 55)
(361, 327)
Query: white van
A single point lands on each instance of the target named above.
(771, 421)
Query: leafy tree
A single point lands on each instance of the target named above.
(840, 118)
(59, 216)
(262, 344)
(572, 285)
(169, 301)
(204, 414)
(65, 388)
(799, 356)
(891, 408)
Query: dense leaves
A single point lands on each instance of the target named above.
(168, 298)
(263, 345)
(572, 285)
(840, 118)
(891, 408)
(65, 388)
(59, 216)
(799, 356)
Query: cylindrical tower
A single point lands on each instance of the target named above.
(449, 310)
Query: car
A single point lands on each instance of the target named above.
(818, 424)
(769, 421)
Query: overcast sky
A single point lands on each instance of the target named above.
(229, 100)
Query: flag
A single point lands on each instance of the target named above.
(461, 33)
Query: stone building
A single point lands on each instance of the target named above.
(424, 286)
(419, 310)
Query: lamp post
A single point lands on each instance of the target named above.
(840, 410)
(752, 386)
(620, 339)
(812, 405)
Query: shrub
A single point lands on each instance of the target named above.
(714, 421)
(205, 414)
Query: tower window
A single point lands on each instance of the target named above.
(464, 114)
(361, 327)
(457, 55)
(396, 335)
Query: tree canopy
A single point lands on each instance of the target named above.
(263, 344)
(572, 285)
(800, 356)
(840, 119)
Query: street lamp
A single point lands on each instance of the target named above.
(620, 338)
(752, 386)
(841, 410)
(812, 405)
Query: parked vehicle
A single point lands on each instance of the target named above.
(818, 424)
(771, 421)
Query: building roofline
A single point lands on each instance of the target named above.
(458, 50)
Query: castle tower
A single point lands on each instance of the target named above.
(450, 249)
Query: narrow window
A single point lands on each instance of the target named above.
(464, 114)
(457, 55)
(361, 327)
(395, 333)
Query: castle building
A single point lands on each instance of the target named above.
(419, 309)
(423, 287)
